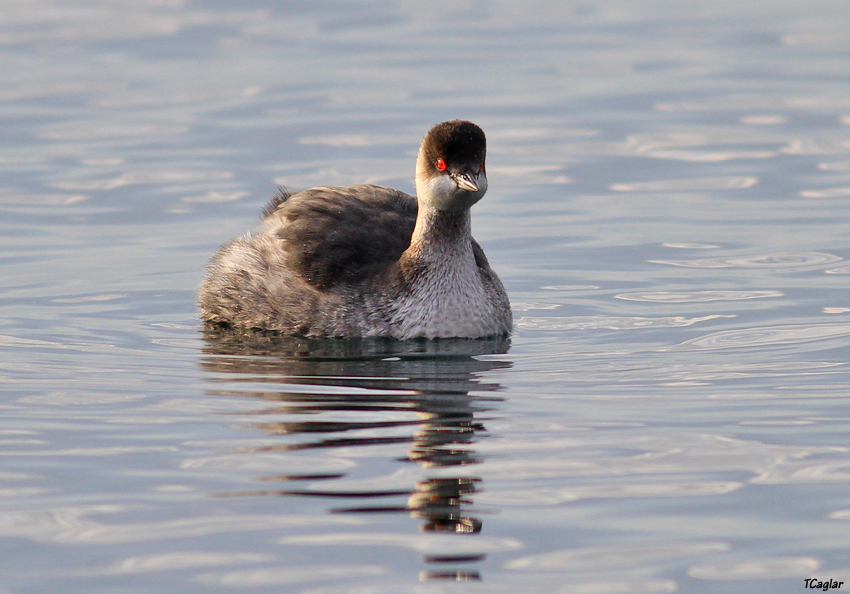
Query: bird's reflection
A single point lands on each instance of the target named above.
(365, 381)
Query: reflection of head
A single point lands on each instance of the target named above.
(441, 501)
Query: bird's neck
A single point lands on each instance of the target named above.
(441, 234)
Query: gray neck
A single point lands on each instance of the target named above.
(441, 234)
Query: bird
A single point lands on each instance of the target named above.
(366, 260)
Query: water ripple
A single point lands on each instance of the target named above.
(91, 298)
(835, 166)
(174, 176)
(360, 140)
(776, 260)
(710, 156)
(805, 473)
(546, 497)
(423, 543)
(216, 197)
(763, 120)
(178, 561)
(626, 586)
(21, 492)
(675, 456)
(98, 131)
(691, 246)
(755, 568)
(714, 106)
(280, 576)
(685, 185)
(826, 193)
(41, 199)
(839, 270)
(696, 296)
(817, 146)
(466, 582)
(533, 305)
(267, 462)
(351, 171)
(73, 526)
(615, 556)
(607, 322)
(529, 174)
(569, 287)
(767, 335)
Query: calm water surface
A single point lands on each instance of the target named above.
(669, 213)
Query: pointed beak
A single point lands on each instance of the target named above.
(466, 181)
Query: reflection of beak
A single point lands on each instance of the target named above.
(466, 181)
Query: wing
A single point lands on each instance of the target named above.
(335, 235)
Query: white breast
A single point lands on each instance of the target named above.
(449, 301)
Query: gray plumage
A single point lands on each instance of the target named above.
(368, 260)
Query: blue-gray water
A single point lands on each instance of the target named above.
(668, 209)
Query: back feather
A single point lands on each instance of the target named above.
(341, 235)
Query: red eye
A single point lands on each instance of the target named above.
(441, 165)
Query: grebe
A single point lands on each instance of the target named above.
(366, 260)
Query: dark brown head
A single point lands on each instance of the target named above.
(450, 171)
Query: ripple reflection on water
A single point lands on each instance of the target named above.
(415, 393)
